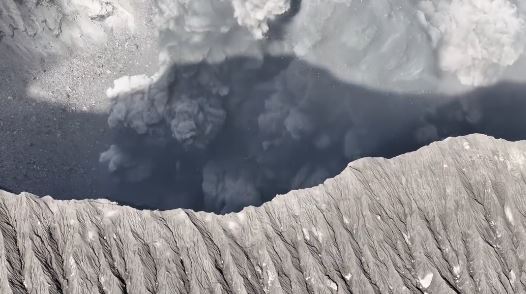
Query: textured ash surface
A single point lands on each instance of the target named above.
(57, 58)
(447, 218)
(309, 85)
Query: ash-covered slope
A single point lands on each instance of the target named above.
(447, 218)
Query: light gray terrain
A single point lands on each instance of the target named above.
(447, 218)
(57, 58)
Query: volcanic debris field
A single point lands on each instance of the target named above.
(218, 105)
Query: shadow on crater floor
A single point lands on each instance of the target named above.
(47, 149)
(353, 121)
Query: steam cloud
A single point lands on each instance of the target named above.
(256, 97)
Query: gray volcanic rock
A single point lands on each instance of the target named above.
(57, 58)
(448, 218)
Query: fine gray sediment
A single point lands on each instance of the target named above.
(448, 218)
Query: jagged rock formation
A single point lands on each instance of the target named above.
(448, 218)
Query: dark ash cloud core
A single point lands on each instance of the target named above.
(270, 141)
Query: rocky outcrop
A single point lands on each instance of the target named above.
(47, 27)
(448, 218)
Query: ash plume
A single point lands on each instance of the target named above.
(255, 98)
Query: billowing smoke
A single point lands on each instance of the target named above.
(476, 39)
(257, 97)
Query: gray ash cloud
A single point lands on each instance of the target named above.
(268, 144)
(253, 100)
